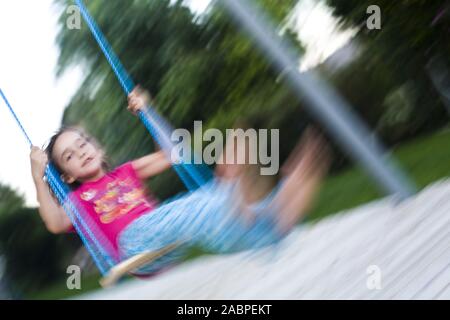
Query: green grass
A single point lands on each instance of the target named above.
(60, 291)
(425, 159)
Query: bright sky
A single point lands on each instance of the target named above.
(28, 57)
(27, 62)
(319, 32)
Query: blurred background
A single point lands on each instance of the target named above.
(198, 65)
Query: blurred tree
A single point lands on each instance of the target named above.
(33, 258)
(411, 34)
(10, 200)
(197, 68)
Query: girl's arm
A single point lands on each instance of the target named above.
(51, 212)
(151, 165)
(156, 162)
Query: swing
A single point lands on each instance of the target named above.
(131, 264)
(106, 258)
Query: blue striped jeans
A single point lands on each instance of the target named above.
(208, 217)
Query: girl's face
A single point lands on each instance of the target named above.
(79, 159)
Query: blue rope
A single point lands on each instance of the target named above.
(16, 118)
(102, 260)
(61, 191)
(190, 184)
(125, 80)
(192, 175)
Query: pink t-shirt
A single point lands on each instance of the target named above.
(115, 200)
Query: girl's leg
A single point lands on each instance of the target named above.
(234, 166)
(269, 216)
(208, 218)
(302, 175)
(212, 217)
(190, 220)
(306, 168)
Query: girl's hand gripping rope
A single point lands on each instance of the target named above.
(39, 162)
(138, 100)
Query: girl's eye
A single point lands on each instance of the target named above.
(69, 158)
(83, 144)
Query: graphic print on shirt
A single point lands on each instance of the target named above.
(119, 198)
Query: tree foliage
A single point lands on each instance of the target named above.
(197, 68)
(412, 33)
(33, 257)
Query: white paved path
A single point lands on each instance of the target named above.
(406, 246)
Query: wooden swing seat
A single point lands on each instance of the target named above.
(131, 264)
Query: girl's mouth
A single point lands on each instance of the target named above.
(87, 161)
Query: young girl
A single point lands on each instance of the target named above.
(226, 215)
